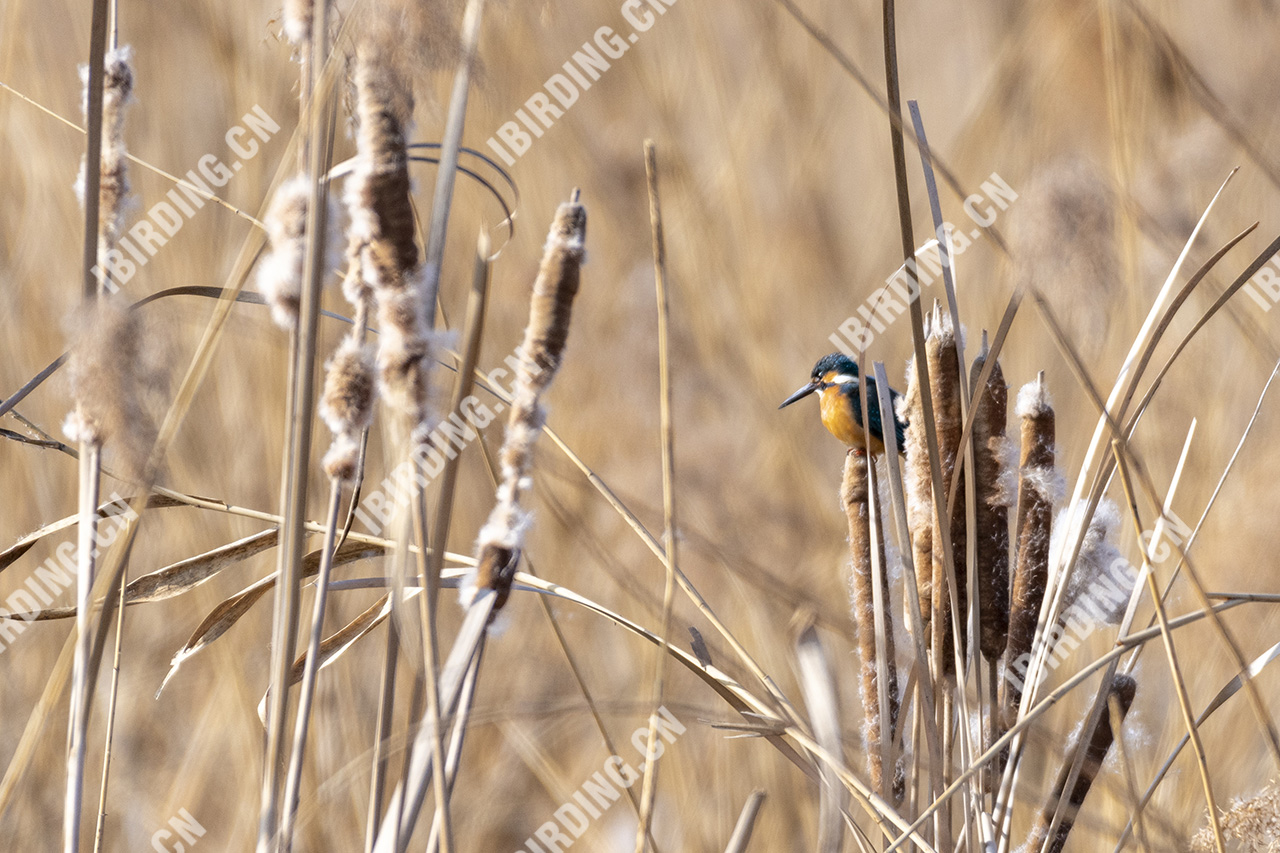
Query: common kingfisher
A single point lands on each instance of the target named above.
(835, 379)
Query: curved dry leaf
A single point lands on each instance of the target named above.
(172, 580)
(228, 612)
(110, 509)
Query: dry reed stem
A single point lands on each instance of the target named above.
(667, 433)
(991, 545)
(1036, 487)
(1122, 690)
(550, 308)
(854, 498)
(944, 373)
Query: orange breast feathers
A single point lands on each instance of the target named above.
(839, 417)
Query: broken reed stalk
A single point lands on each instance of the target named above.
(1034, 519)
(1121, 692)
(854, 496)
(944, 373)
(550, 308)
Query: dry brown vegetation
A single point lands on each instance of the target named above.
(1115, 122)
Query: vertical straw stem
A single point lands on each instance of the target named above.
(293, 782)
(80, 693)
(908, 255)
(667, 435)
(298, 447)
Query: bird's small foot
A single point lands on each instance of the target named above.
(857, 452)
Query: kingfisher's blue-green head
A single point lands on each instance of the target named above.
(834, 369)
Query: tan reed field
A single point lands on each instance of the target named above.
(367, 396)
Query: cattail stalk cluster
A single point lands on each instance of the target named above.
(550, 307)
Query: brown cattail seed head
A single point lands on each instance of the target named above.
(853, 497)
(382, 231)
(550, 309)
(944, 374)
(1121, 692)
(1039, 485)
(992, 510)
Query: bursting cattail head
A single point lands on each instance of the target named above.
(991, 547)
(540, 353)
(298, 16)
(115, 381)
(382, 239)
(382, 234)
(1101, 579)
(281, 270)
(280, 274)
(349, 389)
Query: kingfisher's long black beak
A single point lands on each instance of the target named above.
(801, 394)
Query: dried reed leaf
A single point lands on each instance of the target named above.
(110, 509)
(228, 612)
(175, 579)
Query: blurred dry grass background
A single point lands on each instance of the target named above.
(780, 214)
